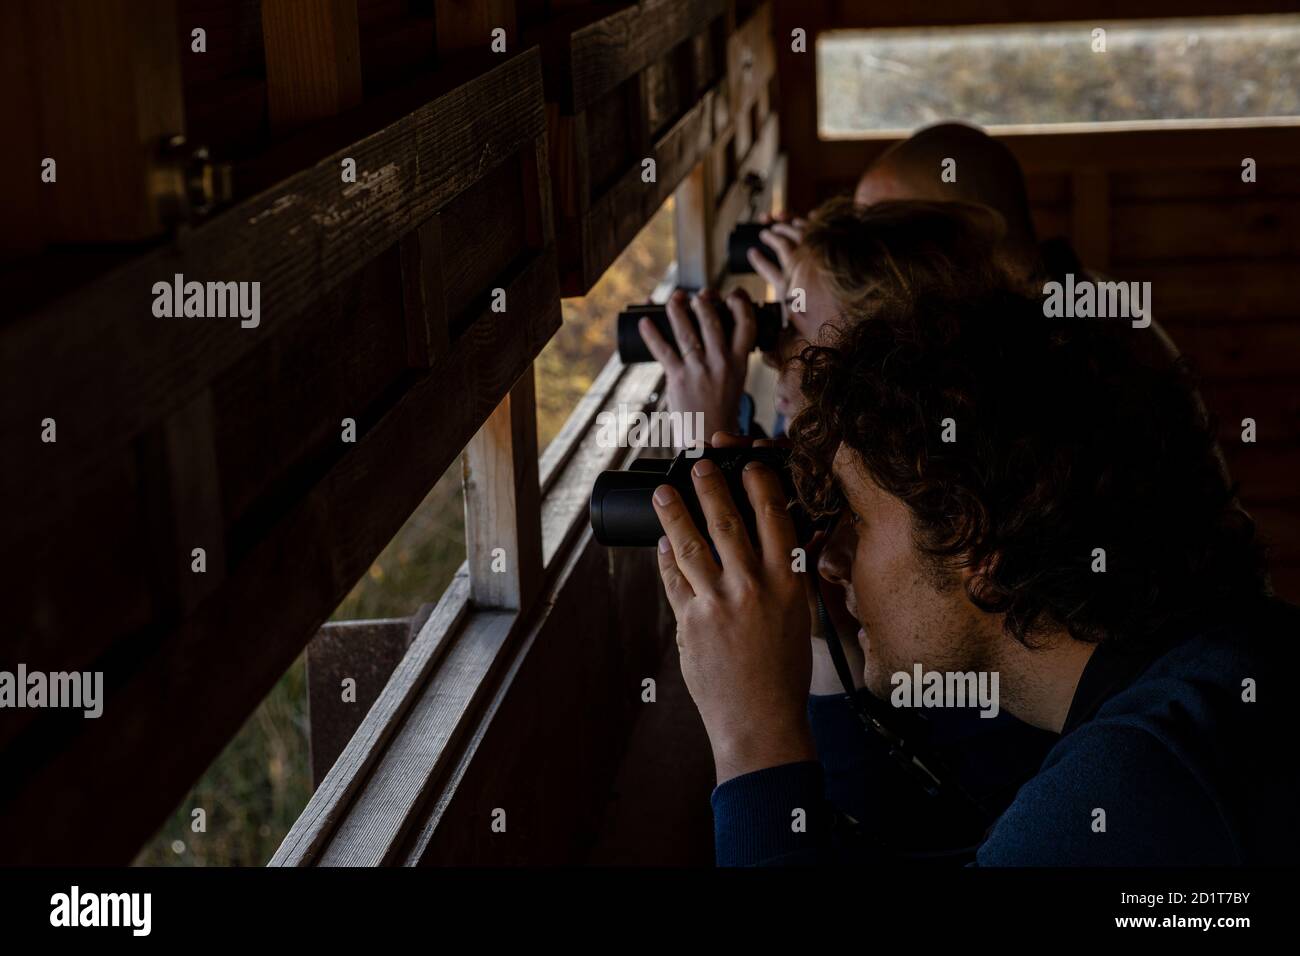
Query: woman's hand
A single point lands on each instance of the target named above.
(742, 625)
(706, 373)
(782, 236)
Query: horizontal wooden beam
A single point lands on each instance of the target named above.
(122, 369)
(616, 216)
(607, 52)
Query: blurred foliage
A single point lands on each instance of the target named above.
(251, 793)
(258, 786)
(1178, 69)
(577, 353)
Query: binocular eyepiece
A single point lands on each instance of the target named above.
(623, 514)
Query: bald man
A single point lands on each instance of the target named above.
(985, 172)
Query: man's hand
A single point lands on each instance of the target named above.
(708, 375)
(742, 626)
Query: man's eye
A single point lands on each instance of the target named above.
(855, 519)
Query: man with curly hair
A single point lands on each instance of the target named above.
(1017, 496)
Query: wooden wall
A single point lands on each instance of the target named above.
(377, 307)
(176, 434)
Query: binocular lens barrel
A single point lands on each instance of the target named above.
(621, 510)
(631, 347)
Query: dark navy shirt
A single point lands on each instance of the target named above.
(1182, 754)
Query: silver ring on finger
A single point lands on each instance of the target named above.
(695, 347)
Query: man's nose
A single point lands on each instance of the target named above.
(835, 563)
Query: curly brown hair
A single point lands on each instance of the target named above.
(899, 249)
(1065, 442)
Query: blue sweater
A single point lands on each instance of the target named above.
(1162, 761)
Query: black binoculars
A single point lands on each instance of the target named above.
(623, 514)
(743, 238)
(632, 348)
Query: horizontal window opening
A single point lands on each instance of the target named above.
(872, 82)
(570, 362)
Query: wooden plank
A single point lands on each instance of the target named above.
(467, 25)
(609, 51)
(1090, 218)
(1190, 230)
(313, 59)
(1218, 183)
(483, 230)
(329, 536)
(301, 238)
(1226, 289)
(551, 797)
(1273, 404)
(619, 214)
(332, 799)
(109, 95)
(1238, 350)
(364, 652)
(1286, 582)
(422, 747)
(751, 61)
(20, 163)
(503, 536)
(225, 85)
(396, 48)
(193, 495)
(1265, 471)
(280, 409)
(1278, 526)
(797, 72)
(424, 301)
(693, 222)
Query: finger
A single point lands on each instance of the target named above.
(722, 516)
(727, 440)
(715, 344)
(688, 342)
(659, 347)
(676, 586)
(776, 536)
(790, 231)
(690, 549)
(768, 270)
(781, 245)
(745, 331)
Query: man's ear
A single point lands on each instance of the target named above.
(978, 578)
